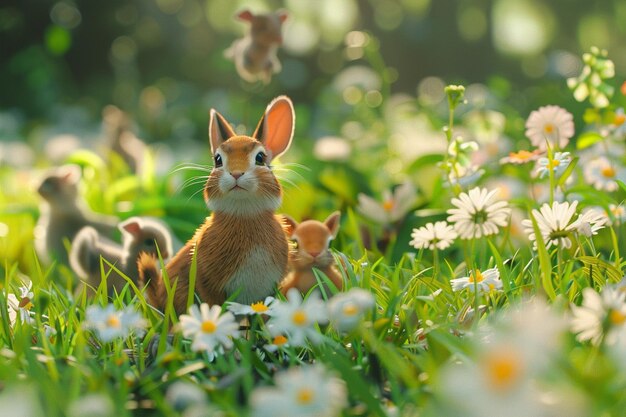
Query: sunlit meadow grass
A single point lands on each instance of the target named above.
(527, 261)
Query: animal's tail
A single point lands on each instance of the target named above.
(150, 279)
(84, 257)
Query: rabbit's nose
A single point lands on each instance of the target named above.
(314, 254)
(236, 175)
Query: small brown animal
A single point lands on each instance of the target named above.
(241, 250)
(139, 235)
(63, 214)
(255, 54)
(121, 140)
(311, 240)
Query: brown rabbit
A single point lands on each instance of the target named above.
(241, 248)
(121, 140)
(63, 214)
(139, 235)
(311, 240)
(255, 54)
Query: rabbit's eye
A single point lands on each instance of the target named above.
(293, 243)
(149, 242)
(218, 161)
(260, 158)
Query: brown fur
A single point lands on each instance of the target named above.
(311, 240)
(242, 225)
(120, 139)
(255, 54)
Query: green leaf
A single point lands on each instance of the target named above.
(587, 139)
(600, 270)
(568, 171)
(544, 261)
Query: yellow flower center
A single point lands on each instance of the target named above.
(608, 172)
(476, 276)
(502, 370)
(619, 119)
(208, 326)
(350, 310)
(492, 287)
(114, 321)
(305, 396)
(388, 205)
(553, 163)
(616, 317)
(279, 340)
(548, 128)
(259, 307)
(299, 318)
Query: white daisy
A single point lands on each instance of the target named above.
(558, 164)
(619, 123)
(551, 124)
(348, 309)
(297, 319)
(279, 342)
(308, 391)
(497, 384)
(394, 207)
(478, 213)
(590, 221)
(439, 235)
(465, 175)
(487, 280)
(600, 315)
(511, 352)
(258, 308)
(602, 174)
(534, 325)
(182, 395)
(208, 328)
(110, 323)
(555, 224)
(616, 214)
(93, 404)
(21, 306)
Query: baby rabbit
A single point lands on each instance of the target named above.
(241, 250)
(255, 54)
(139, 235)
(120, 139)
(63, 214)
(311, 239)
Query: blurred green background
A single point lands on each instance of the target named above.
(162, 60)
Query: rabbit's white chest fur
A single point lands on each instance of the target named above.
(257, 275)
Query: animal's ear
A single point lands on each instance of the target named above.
(282, 15)
(245, 15)
(132, 225)
(289, 224)
(219, 130)
(70, 174)
(275, 129)
(332, 222)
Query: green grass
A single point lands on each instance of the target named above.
(399, 358)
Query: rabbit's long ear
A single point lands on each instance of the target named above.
(219, 130)
(275, 129)
(70, 174)
(332, 222)
(131, 225)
